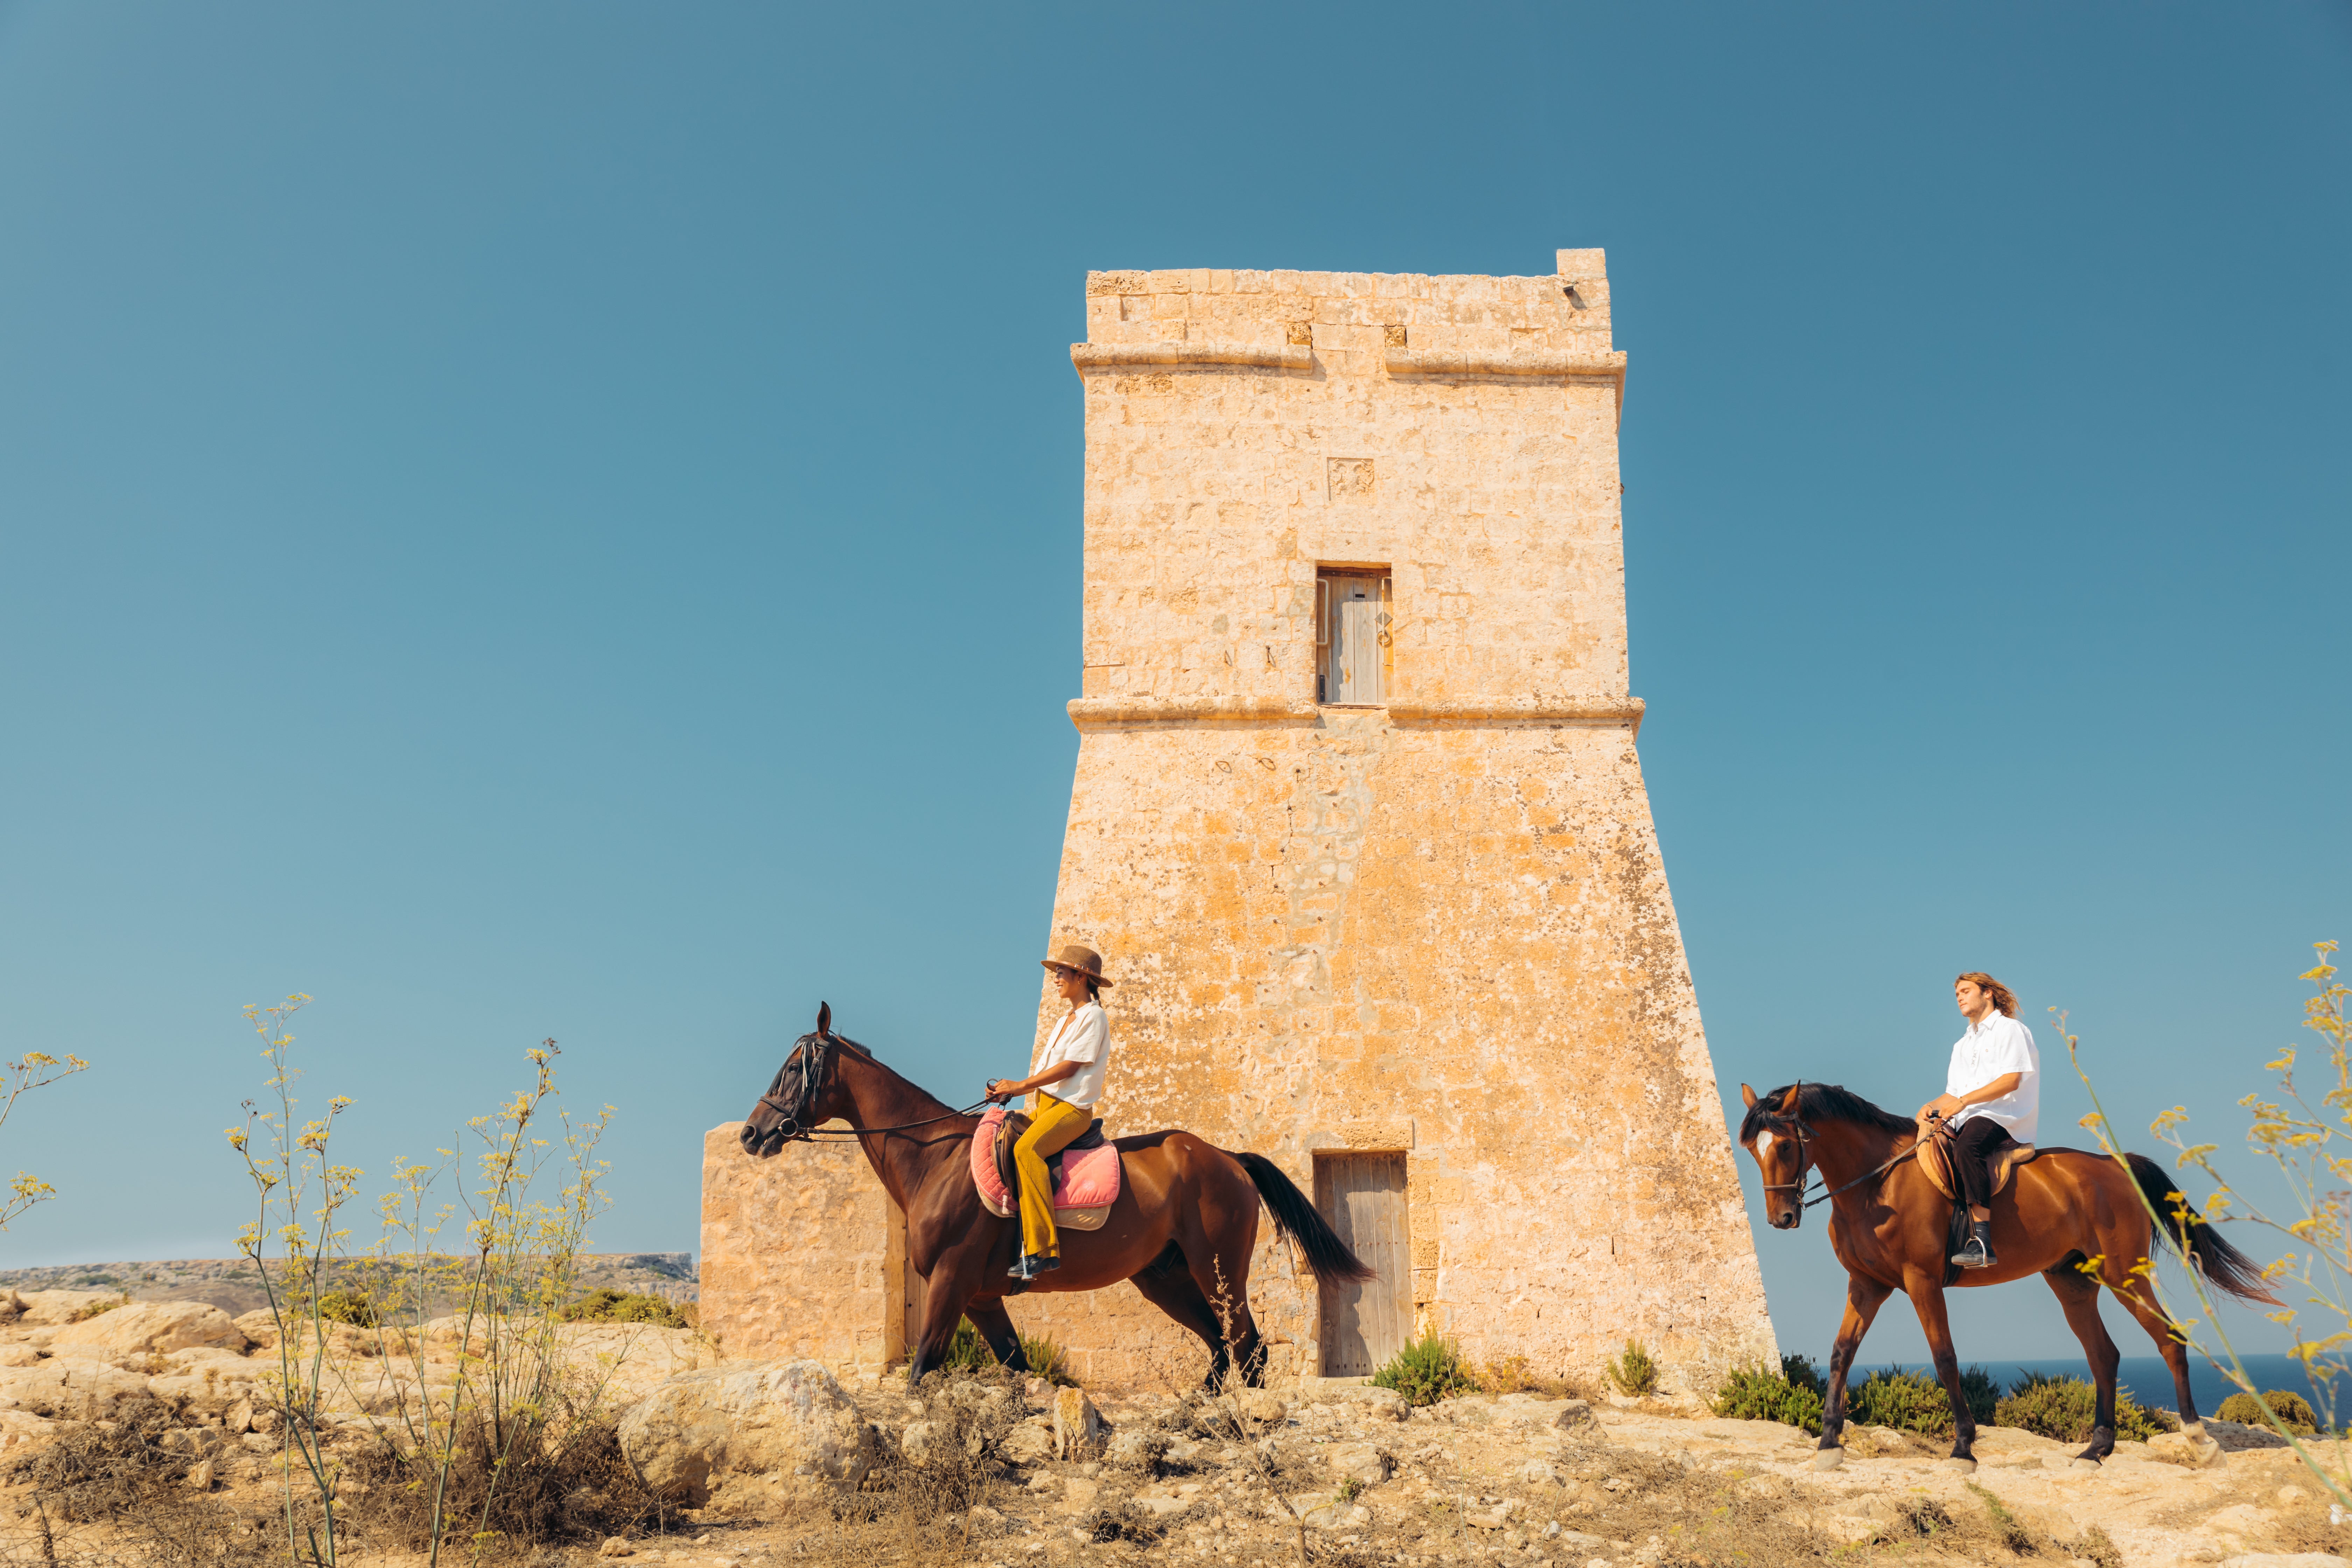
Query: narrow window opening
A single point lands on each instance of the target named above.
(1352, 636)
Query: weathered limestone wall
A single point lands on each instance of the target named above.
(801, 1255)
(1442, 925)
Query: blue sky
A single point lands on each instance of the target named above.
(564, 520)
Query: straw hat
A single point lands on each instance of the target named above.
(1084, 960)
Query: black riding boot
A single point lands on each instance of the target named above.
(1977, 1251)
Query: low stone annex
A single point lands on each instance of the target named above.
(1358, 824)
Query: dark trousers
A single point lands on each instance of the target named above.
(1972, 1148)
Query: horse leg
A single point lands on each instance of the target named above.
(1863, 1299)
(995, 1326)
(2080, 1298)
(1224, 1284)
(1927, 1293)
(953, 1281)
(1168, 1284)
(2138, 1298)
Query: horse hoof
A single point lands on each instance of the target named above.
(1828, 1458)
(1958, 1465)
(2083, 1466)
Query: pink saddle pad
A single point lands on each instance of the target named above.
(1089, 1178)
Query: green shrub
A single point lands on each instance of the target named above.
(1801, 1373)
(1916, 1401)
(1426, 1371)
(2294, 1411)
(1048, 1361)
(2063, 1408)
(353, 1307)
(967, 1352)
(606, 1305)
(1752, 1394)
(1634, 1373)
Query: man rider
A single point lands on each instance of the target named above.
(1992, 1097)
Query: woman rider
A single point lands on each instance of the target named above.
(1073, 1065)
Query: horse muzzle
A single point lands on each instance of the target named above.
(762, 1143)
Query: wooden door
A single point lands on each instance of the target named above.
(902, 1291)
(1365, 1324)
(1359, 625)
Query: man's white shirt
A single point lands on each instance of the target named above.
(1996, 1045)
(1082, 1036)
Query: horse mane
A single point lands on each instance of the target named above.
(1823, 1102)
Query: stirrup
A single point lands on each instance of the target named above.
(1976, 1254)
(1032, 1266)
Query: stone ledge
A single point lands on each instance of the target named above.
(1126, 713)
(1481, 711)
(1091, 713)
(1114, 356)
(1550, 364)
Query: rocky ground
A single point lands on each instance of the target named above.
(779, 1463)
(1521, 1481)
(229, 1284)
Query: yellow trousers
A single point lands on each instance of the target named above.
(1051, 1127)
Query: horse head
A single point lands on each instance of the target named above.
(800, 1097)
(1776, 1136)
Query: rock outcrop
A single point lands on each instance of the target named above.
(785, 1420)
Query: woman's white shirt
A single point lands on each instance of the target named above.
(1083, 1036)
(1995, 1045)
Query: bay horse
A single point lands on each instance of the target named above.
(1181, 1232)
(1889, 1226)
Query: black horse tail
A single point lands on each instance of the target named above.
(2195, 1239)
(1295, 1217)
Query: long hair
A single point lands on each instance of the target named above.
(2003, 997)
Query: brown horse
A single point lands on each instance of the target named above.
(1888, 1225)
(1181, 1231)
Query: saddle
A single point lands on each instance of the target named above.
(1009, 1132)
(1935, 1159)
(1086, 1175)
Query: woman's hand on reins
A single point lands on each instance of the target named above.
(1000, 1091)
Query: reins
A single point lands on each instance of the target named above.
(1803, 1183)
(814, 1060)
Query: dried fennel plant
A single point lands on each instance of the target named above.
(290, 1170)
(2310, 1145)
(33, 1069)
(460, 1443)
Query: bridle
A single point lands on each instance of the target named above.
(1797, 1132)
(814, 1055)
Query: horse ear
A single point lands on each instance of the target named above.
(1789, 1105)
(825, 1020)
(1749, 1095)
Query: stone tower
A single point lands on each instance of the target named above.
(1358, 824)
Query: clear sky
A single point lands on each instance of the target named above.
(564, 520)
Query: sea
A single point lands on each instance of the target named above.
(2150, 1381)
